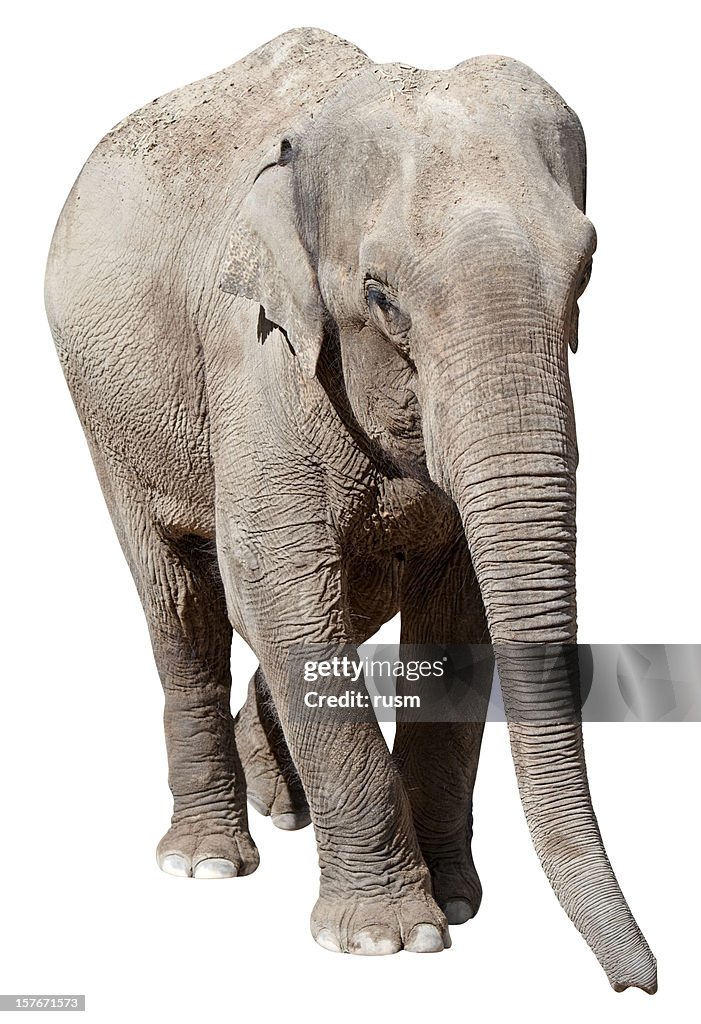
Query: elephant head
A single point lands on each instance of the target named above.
(432, 227)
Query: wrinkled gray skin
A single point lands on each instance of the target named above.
(395, 432)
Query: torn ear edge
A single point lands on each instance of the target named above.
(308, 355)
(268, 262)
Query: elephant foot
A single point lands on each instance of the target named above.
(273, 794)
(272, 783)
(207, 850)
(379, 925)
(288, 821)
(456, 885)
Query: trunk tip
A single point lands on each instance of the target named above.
(647, 982)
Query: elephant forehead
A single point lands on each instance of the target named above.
(478, 192)
(413, 158)
(477, 128)
(492, 93)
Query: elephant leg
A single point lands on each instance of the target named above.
(273, 786)
(375, 890)
(441, 603)
(183, 599)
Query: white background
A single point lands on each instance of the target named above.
(83, 907)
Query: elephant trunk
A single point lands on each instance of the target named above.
(504, 448)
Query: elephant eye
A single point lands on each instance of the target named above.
(386, 310)
(377, 296)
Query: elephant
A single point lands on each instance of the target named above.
(314, 314)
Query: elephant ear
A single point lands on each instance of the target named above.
(268, 262)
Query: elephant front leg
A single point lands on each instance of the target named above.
(183, 598)
(375, 893)
(375, 890)
(273, 785)
(438, 761)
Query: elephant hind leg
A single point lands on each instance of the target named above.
(272, 783)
